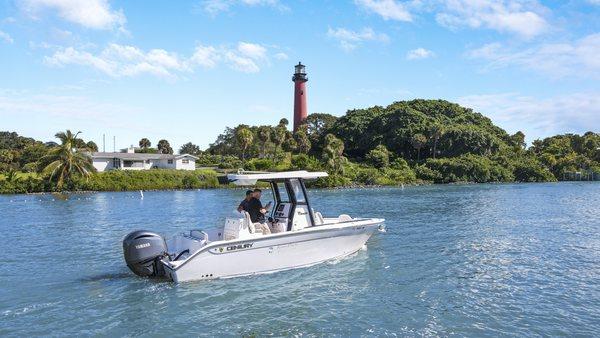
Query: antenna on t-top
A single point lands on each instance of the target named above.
(103, 143)
(114, 144)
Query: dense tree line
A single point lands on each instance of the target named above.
(431, 140)
(405, 142)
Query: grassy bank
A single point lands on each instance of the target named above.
(117, 180)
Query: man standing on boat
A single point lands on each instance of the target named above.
(245, 204)
(257, 211)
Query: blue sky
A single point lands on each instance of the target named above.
(184, 70)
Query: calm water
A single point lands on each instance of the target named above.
(474, 260)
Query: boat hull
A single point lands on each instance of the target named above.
(273, 253)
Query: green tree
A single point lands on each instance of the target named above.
(379, 156)
(333, 154)
(33, 153)
(518, 140)
(279, 135)
(6, 156)
(145, 143)
(12, 141)
(302, 139)
(317, 126)
(318, 123)
(164, 147)
(30, 167)
(418, 141)
(264, 136)
(65, 162)
(290, 144)
(244, 138)
(80, 144)
(435, 133)
(190, 148)
(91, 146)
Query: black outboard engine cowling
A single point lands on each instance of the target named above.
(143, 251)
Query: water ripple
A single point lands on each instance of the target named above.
(473, 260)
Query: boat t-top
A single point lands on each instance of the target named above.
(300, 237)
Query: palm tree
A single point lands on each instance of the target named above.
(244, 137)
(64, 162)
(11, 176)
(145, 143)
(279, 136)
(302, 139)
(264, 135)
(418, 141)
(92, 146)
(164, 147)
(436, 132)
(333, 154)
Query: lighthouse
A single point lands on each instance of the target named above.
(299, 79)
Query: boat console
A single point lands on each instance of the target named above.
(281, 216)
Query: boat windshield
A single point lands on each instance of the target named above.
(283, 194)
(297, 190)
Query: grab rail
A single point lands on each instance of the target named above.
(203, 237)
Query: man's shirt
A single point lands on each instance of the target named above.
(254, 207)
(245, 204)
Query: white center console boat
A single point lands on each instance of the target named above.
(299, 237)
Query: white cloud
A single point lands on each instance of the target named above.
(387, 9)
(522, 17)
(539, 117)
(6, 37)
(349, 39)
(252, 50)
(95, 14)
(525, 18)
(119, 60)
(578, 58)
(281, 56)
(215, 7)
(205, 56)
(419, 53)
(72, 56)
(240, 63)
(125, 61)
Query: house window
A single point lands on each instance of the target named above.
(185, 161)
(116, 163)
(170, 161)
(147, 161)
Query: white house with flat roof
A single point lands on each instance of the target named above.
(130, 160)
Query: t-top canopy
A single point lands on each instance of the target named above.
(250, 179)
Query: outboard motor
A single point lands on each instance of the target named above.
(143, 251)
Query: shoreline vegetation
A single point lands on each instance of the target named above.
(405, 143)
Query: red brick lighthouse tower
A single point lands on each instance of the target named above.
(299, 79)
